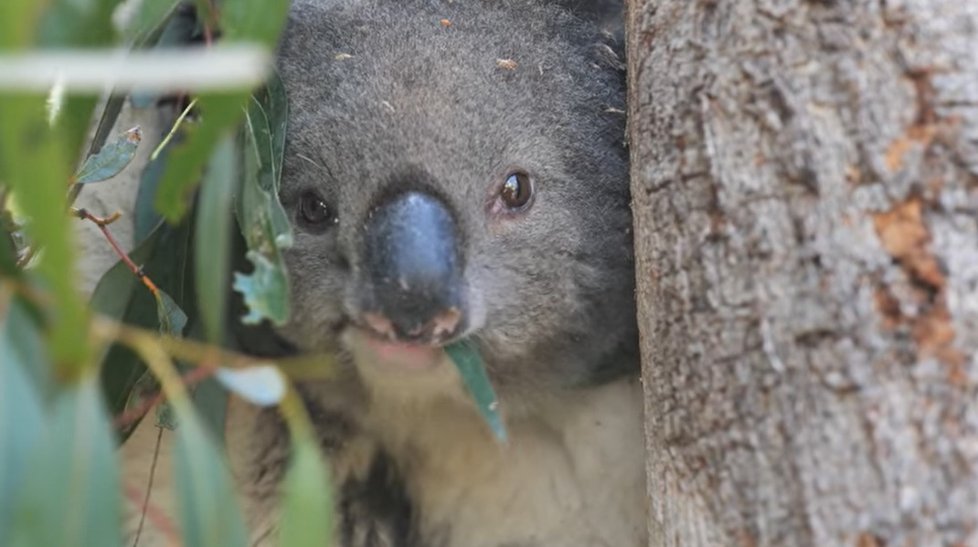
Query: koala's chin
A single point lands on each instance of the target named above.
(398, 374)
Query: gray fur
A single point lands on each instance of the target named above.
(384, 96)
(417, 103)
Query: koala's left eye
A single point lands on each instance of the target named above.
(517, 192)
(315, 215)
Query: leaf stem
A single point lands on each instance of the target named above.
(144, 508)
(173, 131)
(102, 224)
(319, 367)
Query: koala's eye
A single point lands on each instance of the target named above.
(315, 214)
(517, 192)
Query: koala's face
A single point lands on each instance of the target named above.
(456, 170)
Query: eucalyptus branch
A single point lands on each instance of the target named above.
(192, 352)
(103, 224)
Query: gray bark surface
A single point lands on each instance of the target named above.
(805, 185)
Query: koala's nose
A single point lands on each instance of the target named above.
(413, 270)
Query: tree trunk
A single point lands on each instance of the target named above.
(805, 185)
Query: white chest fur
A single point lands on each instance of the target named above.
(571, 475)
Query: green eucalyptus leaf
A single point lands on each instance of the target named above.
(111, 159)
(145, 218)
(21, 412)
(265, 291)
(306, 502)
(21, 343)
(8, 247)
(264, 223)
(172, 319)
(213, 238)
(176, 27)
(254, 20)
(17, 24)
(261, 217)
(120, 295)
(144, 391)
(211, 401)
(74, 24)
(106, 123)
(34, 162)
(220, 113)
(209, 397)
(71, 492)
(150, 17)
(472, 368)
(207, 507)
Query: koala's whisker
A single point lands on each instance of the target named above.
(314, 162)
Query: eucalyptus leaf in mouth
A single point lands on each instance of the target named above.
(472, 369)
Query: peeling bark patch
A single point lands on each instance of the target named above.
(926, 115)
(917, 135)
(905, 237)
(925, 127)
(934, 335)
(866, 539)
(888, 307)
(746, 539)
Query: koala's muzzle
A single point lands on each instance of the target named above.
(412, 270)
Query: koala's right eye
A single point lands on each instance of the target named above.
(315, 215)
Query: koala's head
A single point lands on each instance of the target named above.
(456, 170)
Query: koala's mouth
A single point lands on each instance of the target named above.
(375, 351)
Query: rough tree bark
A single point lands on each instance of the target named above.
(805, 179)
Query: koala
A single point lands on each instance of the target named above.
(456, 170)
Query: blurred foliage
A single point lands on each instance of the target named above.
(76, 376)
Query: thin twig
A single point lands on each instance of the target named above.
(99, 221)
(149, 486)
(320, 367)
(102, 224)
(173, 131)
